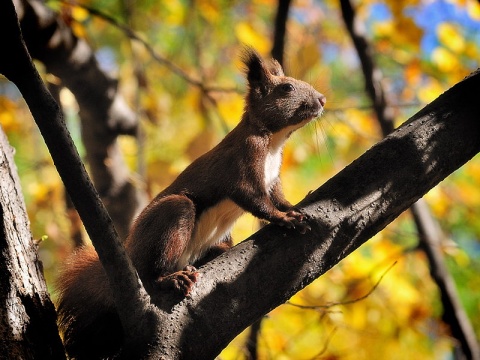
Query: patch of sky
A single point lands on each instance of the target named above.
(9, 89)
(330, 52)
(432, 13)
(380, 12)
(428, 15)
(106, 59)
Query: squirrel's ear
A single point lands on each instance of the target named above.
(257, 72)
(276, 68)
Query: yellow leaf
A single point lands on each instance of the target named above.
(408, 29)
(8, 122)
(40, 192)
(249, 36)
(430, 92)
(79, 13)
(473, 9)
(383, 28)
(78, 29)
(176, 12)
(445, 60)
(8, 119)
(209, 10)
(450, 36)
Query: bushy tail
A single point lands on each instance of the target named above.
(86, 314)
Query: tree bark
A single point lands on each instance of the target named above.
(129, 295)
(429, 232)
(27, 315)
(264, 271)
(103, 112)
(281, 18)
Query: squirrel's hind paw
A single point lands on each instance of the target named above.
(180, 282)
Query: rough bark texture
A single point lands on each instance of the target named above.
(264, 271)
(129, 295)
(27, 317)
(103, 112)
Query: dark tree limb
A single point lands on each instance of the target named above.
(373, 75)
(252, 340)
(453, 312)
(130, 297)
(103, 112)
(264, 271)
(429, 231)
(281, 18)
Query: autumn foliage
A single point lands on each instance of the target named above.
(180, 72)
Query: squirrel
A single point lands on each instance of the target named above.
(189, 222)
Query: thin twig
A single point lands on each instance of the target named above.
(347, 302)
(154, 54)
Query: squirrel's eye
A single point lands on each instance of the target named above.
(288, 87)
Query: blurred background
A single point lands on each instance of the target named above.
(174, 79)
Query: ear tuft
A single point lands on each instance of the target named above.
(255, 67)
(275, 68)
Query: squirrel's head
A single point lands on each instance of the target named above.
(275, 101)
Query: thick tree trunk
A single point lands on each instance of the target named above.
(28, 328)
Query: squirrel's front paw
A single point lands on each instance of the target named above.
(180, 282)
(294, 219)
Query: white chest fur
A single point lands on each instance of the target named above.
(212, 226)
(273, 160)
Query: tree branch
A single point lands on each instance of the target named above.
(131, 34)
(129, 296)
(281, 18)
(264, 271)
(429, 231)
(103, 112)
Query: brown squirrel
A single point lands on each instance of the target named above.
(189, 222)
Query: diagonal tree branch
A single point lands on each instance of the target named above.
(103, 112)
(130, 297)
(264, 271)
(429, 231)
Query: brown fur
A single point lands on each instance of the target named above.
(189, 222)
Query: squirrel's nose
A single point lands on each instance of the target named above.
(322, 100)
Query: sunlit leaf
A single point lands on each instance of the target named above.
(249, 36)
(450, 37)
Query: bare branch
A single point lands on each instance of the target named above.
(347, 302)
(153, 53)
(264, 271)
(103, 112)
(429, 231)
(279, 30)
